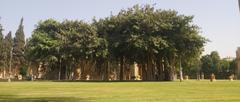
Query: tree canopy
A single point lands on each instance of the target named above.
(154, 39)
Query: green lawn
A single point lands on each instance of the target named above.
(187, 91)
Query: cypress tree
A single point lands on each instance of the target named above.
(1, 48)
(18, 47)
(8, 45)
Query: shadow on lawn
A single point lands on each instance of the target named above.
(11, 98)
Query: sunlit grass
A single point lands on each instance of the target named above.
(187, 91)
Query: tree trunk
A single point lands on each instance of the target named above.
(150, 68)
(4, 70)
(160, 67)
(180, 71)
(121, 69)
(144, 72)
(107, 71)
(167, 70)
(66, 72)
(60, 68)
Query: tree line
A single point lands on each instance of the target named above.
(12, 52)
(222, 68)
(209, 64)
(160, 42)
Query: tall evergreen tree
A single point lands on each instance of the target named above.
(8, 45)
(18, 47)
(1, 48)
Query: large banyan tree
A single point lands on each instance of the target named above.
(157, 40)
(66, 46)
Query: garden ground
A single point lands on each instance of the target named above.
(187, 91)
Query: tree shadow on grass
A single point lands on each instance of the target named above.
(12, 98)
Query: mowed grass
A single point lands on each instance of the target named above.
(187, 91)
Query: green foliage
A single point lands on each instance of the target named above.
(19, 45)
(191, 67)
(152, 37)
(222, 68)
(23, 70)
(207, 65)
(144, 34)
(1, 47)
(65, 43)
(82, 41)
(232, 67)
(158, 40)
(44, 43)
(8, 45)
(69, 38)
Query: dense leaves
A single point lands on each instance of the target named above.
(145, 35)
(66, 42)
(157, 40)
(19, 47)
(222, 68)
(1, 47)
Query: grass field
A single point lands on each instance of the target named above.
(187, 91)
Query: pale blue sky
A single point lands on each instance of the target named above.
(219, 19)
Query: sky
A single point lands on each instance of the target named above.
(219, 20)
